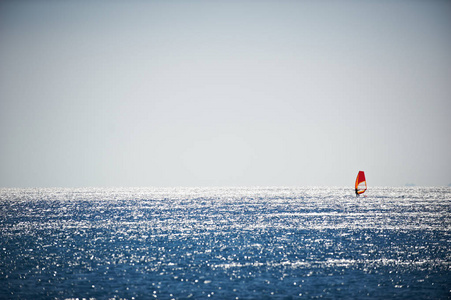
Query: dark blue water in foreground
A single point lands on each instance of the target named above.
(225, 243)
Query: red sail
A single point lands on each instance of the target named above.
(360, 183)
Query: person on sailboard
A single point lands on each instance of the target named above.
(360, 183)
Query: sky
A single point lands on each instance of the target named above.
(224, 93)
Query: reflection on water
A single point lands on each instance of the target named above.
(245, 243)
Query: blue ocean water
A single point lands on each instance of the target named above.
(225, 243)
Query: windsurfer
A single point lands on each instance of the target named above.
(360, 184)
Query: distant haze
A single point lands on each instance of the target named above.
(224, 93)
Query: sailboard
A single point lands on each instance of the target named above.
(360, 183)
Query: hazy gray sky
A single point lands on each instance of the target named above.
(224, 93)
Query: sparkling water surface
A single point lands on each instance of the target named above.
(225, 243)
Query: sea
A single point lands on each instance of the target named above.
(225, 243)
